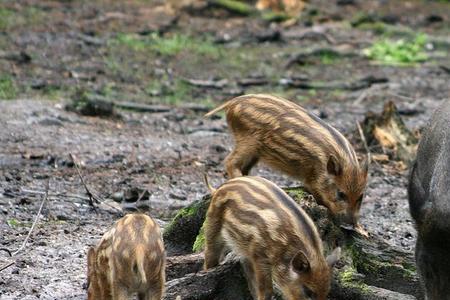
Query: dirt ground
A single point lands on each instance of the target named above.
(142, 52)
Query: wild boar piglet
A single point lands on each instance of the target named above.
(292, 140)
(129, 259)
(429, 203)
(275, 239)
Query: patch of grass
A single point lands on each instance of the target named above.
(328, 58)
(171, 45)
(312, 92)
(8, 89)
(173, 93)
(399, 52)
(6, 18)
(27, 16)
(387, 30)
(53, 93)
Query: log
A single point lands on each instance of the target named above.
(354, 85)
(370, 268)
(225, 282)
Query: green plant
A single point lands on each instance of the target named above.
(398, 52)
(13, 223)
(8, 89)
(169, 46)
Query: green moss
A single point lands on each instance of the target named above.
(181, 214)
(8, 88)
(371, 264)
(348, 279)
(199, 243)
(296, 192)
(399, 52)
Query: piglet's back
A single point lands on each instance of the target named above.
(261, 207)
(269, 116)
(138, 247)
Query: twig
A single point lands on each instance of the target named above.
(24, 243)
(364, 141)
(35, 221)
(92, 198)
(401, 96)
(7, 265)
(361, 97)
(68, 195)
(6, 250)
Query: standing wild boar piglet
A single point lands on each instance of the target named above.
(290, 139)
(130, 258)
(429, 202)
(273, 236)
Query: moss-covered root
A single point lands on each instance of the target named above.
(181, 233)
(348, 285)
(385, 266)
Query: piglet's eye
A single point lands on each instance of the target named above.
(341, 196)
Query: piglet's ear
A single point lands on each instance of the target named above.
(333, 166)
(300, 263)
(333, 258)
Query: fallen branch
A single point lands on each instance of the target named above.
(36, 219)
(141, 107)
(216, 84)
(314, 32)
(358, 84)
(20, 57)
(253, 81)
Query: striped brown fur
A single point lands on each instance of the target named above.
(130, 258)
(274, 237)
(289, 138)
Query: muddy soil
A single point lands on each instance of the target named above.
(50, 50)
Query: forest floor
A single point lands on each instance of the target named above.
(189, 61)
